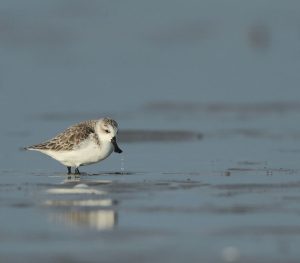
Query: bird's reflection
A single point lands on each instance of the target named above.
(96, 219)
(81, 205)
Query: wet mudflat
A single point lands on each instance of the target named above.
(206, 95)
(150, 216)
(213, 196)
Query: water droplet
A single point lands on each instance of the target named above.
(122, 164)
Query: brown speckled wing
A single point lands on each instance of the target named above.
(68, 139)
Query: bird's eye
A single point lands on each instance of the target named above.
(107, 131)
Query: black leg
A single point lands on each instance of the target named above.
(77, 171)
(69, 169)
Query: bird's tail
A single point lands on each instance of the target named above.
(27, 148)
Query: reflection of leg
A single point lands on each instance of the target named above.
(69, 169)
(77, 171)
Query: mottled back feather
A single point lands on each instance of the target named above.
(70, 138)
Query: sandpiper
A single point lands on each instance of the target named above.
(84, 143)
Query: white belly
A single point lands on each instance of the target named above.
(87, 154)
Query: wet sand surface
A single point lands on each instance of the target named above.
(220, 196)
(206, 94)
(150, 216)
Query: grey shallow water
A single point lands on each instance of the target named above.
(150, 217)
(223, 197)
(206, 94)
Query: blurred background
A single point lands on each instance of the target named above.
(206, 94)
(70, 60)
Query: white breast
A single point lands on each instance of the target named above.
(87, 153)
